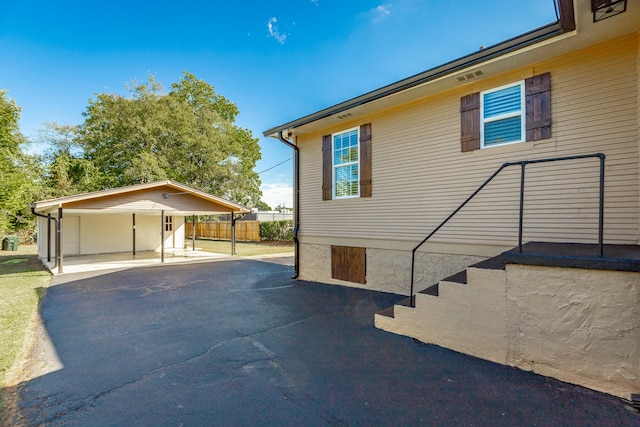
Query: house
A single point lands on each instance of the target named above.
(135, 218)
(564, 97)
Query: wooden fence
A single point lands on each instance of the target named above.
(248, 231)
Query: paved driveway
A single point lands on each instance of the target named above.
(237, 343)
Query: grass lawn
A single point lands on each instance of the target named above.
(244, 248)
(23, 281)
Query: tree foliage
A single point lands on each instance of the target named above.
(263, 206)
(188, 135)
(67, 171)
(18, 171)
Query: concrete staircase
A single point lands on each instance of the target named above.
(557, 309)
(465, 312)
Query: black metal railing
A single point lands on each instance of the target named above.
(522, 163)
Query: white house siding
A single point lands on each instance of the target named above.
(113, 233)
(71, 235)
(105, 233)
(175, 238)
(42, 236)
(147, 232)
(99, 233)
(420, 174)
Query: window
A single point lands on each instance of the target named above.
(168, 223)
(346, 155)
(346, 164)
(502, 115)
(512, 113)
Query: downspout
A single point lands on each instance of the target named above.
(233, 230)
(49, 218)
(296, 201)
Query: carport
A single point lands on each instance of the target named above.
(127, 220)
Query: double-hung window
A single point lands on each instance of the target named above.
(346, 164)
(512, 113)
(502, 113)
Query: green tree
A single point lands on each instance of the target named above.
(67, 172)
(263, 206)
(188, 135)
(18, 171)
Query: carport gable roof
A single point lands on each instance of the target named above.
(169, 196)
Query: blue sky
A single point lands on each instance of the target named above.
(276, 59)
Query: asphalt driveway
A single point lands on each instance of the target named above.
(237, 343)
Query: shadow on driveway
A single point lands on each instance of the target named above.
(239, 343)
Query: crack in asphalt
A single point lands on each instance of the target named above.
(82, 403)
(261, 289)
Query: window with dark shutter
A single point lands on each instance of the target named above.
(346, 164)
(501, 122)
(349, 263)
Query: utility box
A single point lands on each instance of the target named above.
(10, 243)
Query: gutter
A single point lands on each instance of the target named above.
(296, 202)
(564, 24)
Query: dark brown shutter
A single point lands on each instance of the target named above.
(538, 105)
(365, 160)
(470, 122)
(327, 168)
(349, 263)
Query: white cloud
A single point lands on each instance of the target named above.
(380, 13)
(277, 193)
(272, 28)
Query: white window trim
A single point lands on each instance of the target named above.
(521, 113)
(334, 167)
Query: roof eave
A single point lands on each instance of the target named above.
(44, 205)
(565, 24)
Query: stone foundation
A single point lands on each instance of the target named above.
(388, 270)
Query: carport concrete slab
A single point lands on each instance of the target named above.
(123, 260)
(238, 343)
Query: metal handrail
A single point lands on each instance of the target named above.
(522, 163)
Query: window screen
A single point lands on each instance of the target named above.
(502, 119)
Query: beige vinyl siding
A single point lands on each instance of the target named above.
(420, 175)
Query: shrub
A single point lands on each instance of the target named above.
(276, 231)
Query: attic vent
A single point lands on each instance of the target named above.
(470, 75)
(603, 9)
(344, 116)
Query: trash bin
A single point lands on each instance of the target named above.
(10, 243)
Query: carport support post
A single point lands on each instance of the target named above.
(59, 247)
(162, 236)
(134, 234)
(49, 237)
(193, 233)
(233, 234)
